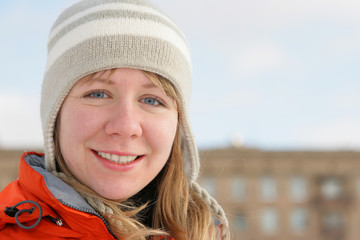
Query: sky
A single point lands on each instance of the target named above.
(273, 75)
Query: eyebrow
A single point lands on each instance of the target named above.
(106, 81)
(92, 80)
(149, 85)
(110, 82)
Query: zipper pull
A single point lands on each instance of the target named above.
(57, 221)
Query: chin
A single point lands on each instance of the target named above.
(116, 194)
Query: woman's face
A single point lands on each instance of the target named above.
(116, 133)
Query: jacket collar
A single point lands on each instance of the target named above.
(59, 189)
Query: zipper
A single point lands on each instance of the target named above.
(93, 213)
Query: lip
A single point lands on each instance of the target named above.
(117, 153)
(118, 166)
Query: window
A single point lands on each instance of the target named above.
(238, 188)
(269, 221)
(358, 187)
(298, 189)
(331, 188)
(241, 222)
(299, 220)
(268, 189)
(209, 184)
(332, 220)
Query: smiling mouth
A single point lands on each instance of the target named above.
(117, 159)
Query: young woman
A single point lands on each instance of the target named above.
(120, 161)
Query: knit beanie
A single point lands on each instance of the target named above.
(95, 35)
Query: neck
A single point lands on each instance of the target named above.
(147, 195)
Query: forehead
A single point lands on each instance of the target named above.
(150, 80)
(109, 76)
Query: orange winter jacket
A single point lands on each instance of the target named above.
(64, 213)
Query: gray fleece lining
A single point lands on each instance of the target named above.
(61, 191)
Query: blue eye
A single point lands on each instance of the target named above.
(150, 101)
(98, 95)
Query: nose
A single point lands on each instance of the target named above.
(124, 120)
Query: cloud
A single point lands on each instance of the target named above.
(233, 101)
(20, 124)
(259, 58)
(233, 16)
(344, 45)
(346, 101)
(341, 133)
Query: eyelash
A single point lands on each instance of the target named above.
(161, 103)
(89, 95)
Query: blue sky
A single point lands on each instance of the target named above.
(273, 74)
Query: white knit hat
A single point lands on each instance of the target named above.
(94, 35)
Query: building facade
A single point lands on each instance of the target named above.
(286, 195)
(273, 195)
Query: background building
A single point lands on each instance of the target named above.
(286, 195)
(274, 195)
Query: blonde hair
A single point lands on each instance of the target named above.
(179, 210)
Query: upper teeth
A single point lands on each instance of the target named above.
(116, 158)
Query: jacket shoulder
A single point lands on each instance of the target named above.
(32, 190)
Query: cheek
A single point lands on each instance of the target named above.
(77, 123)
(71, 127)
(76, 127)
(162, 134)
